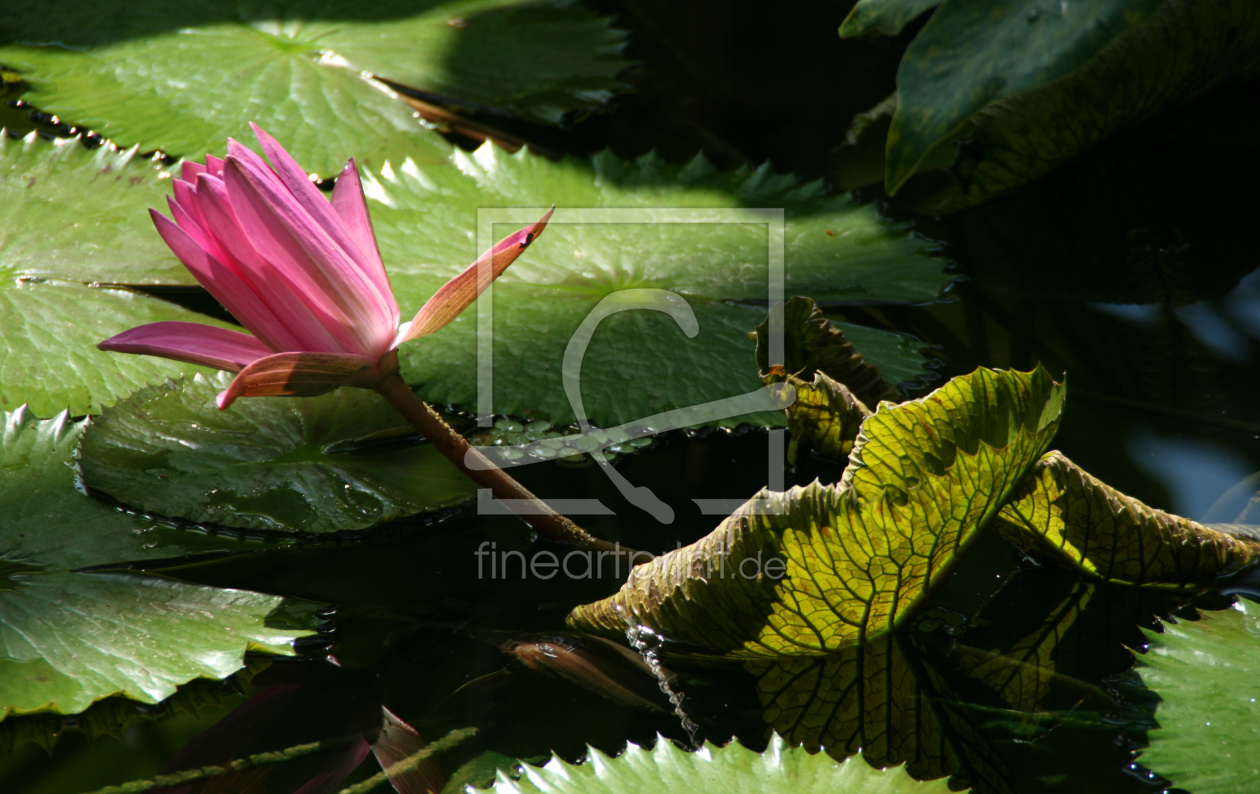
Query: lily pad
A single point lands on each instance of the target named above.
(666, 768)
(71, 638)
(970, 54)
(712, 255)
(1207, 674)
(78, 215)
(151, 73)
(274, 464)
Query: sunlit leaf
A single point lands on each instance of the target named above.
(78, 215)
(839, 569)
(72, 638)
(639, 361)
(970, 54)
(1207, 674)
(825, 416)
(274, 463)
(1104, 535)
(81, 214)
(666, 768)
(152, 73)
(69, 639)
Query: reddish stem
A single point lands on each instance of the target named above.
(546, 522)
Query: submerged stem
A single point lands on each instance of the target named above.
(546, 522)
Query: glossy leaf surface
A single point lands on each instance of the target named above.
(69, 638)
(149, 73)
(1206, 673)
(298, 464)
(711, 262)
(666, 768)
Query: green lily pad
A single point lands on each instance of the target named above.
(639, 362)
(1207, 674)
(82, 214)
(49, 360)
(734, 767)
(971, 54)
(152, 73)
(70, 638)
(274, 463)
(78, 215)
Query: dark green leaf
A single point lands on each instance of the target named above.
(883, 16)
(973, 53)
(68, 639)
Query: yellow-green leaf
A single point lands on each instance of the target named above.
(1104, 535)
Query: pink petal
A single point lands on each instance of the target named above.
(286, 236)
(282, 291)
(366, 258)
(214, 165)
(189, 170)
(306, 206)
(351, 206)
(297, 375)
(226, 287)
(194, 343)
(459, 293)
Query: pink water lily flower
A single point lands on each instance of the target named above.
(302, 273)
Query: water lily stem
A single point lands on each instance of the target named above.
(546, 522)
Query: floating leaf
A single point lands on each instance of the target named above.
(278, 463)
(666, 768)
(1104, 535)
(840, 569)
(1207, 675)
(151, 73)
(81, 214)
(811, 344)
(883, 16)
(78, 215)
(70, 638)
(639, 361)
(970, 54)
